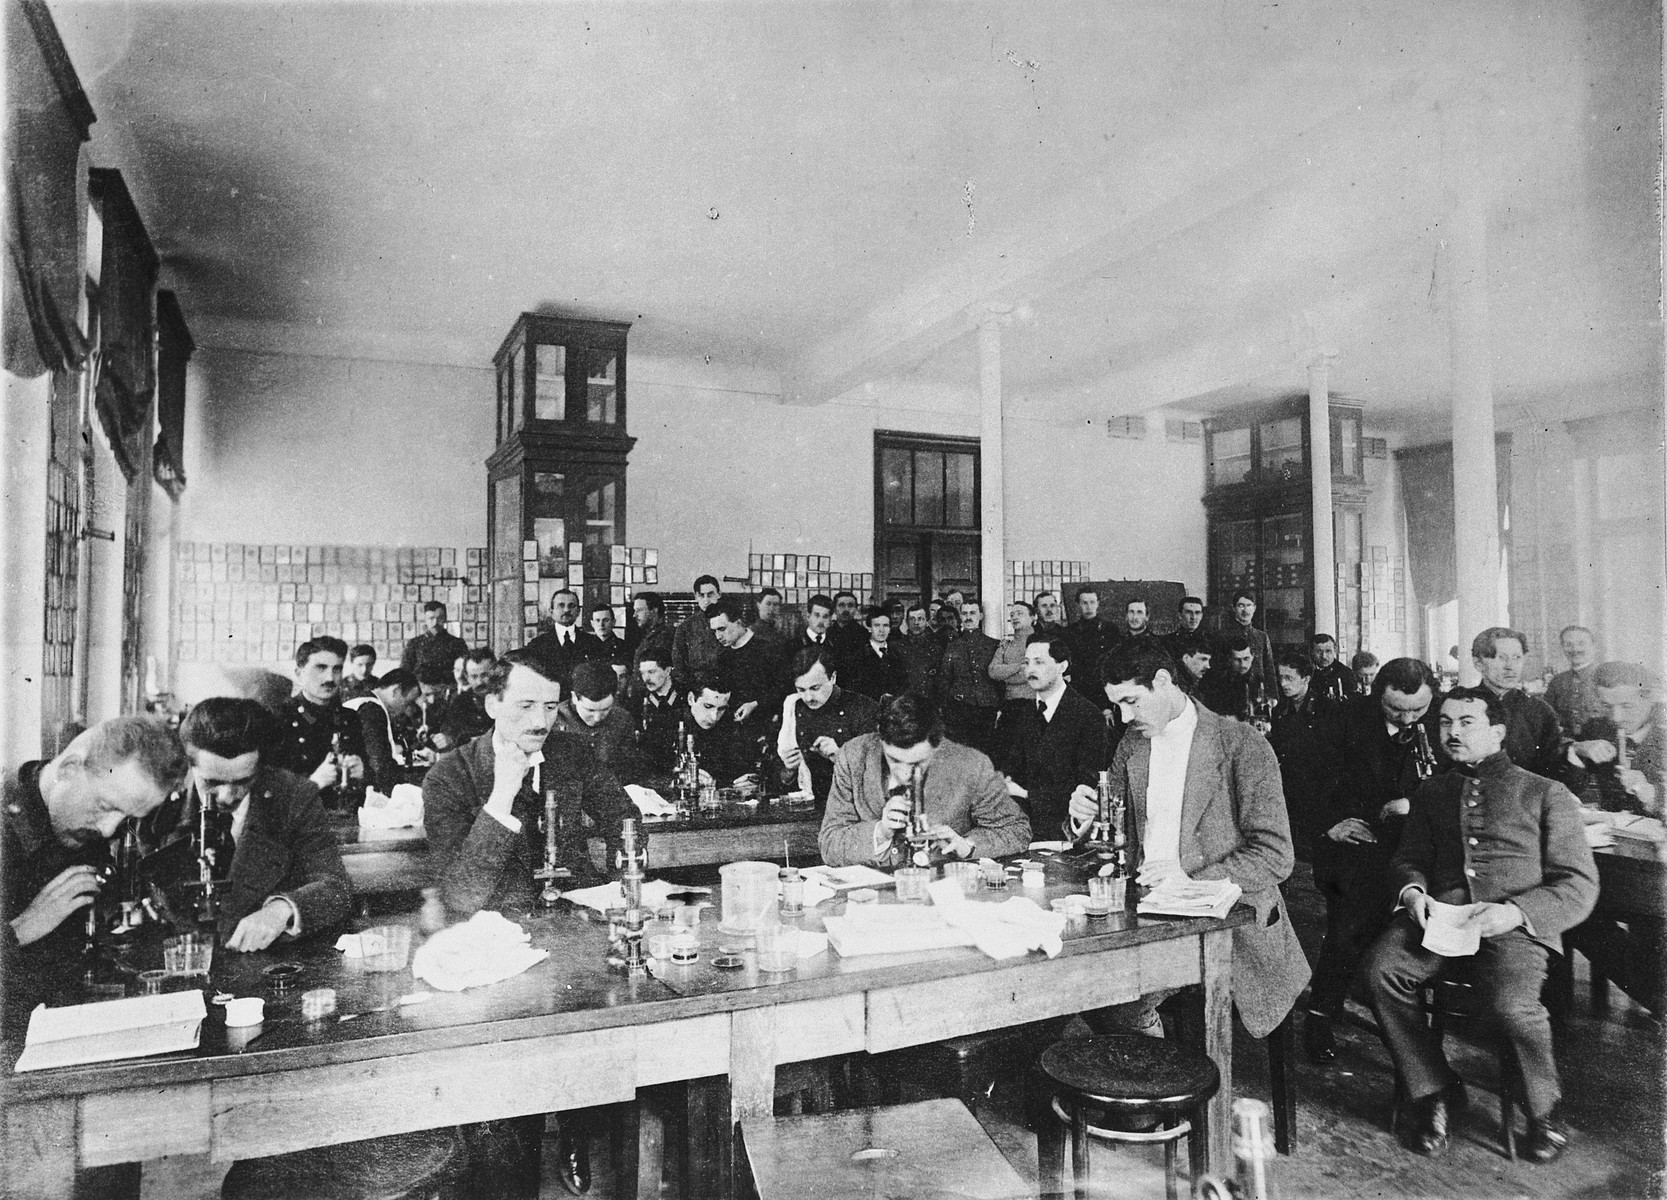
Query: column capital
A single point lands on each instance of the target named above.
(1320, 362)
(990, 313)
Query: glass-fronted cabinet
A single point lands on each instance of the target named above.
(1261, 513)
(556, 482)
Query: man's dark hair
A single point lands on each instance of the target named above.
(718, 682)
(1024, 604)
(913, 606)
(1085, 590)
(825, 601)
(873, 611)
(1494, 705)
(1405, 675)
(1364, 658)
(435, 606)
(594, 680)
(566, 591)
(703, 580)
(1138, 661)
(769, 591)
(228, 726)
(1322, 639)
(1037, 598)
(497, 679)
(1233, 640)
(908, 720)
(1058, 648)
(144, 740)
(652, 599)
(399, 677)
(324, 644)
(733, 606)
(659, 653)
(1186, 600)
(1568, 629)
(1196, 642)
(480, 654)
(1245, 594)
(599, 606)
(837, 596)
(1297, 660)
(807, 658)
(1486, 643)
(1134, 600)
(362, 650)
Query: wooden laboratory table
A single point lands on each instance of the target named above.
(570, 1033)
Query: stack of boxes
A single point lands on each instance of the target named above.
(798, 577)
(1026, 577)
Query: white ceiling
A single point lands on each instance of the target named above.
(1182, 202)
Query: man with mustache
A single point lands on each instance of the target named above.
(1057, 739)
(1533, 736)
(313, 718)
(1508, 847)
(57, 818)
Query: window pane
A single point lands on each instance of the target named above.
(960, 492)
(506, 533)
(550, 363)
(1229, 457)
(1345, 446)
(601, 388)
(1282, 448)
(955, 565)
(512, 391)
(599, 514)
(546, 498)
(896, 486)
(928, 487)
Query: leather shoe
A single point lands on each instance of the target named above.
(573, 1162)
(1425, 1128)
(1317, 1041)
(1547, 1138)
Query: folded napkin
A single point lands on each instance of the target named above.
(611, 895)
(487, 948)
(402, 810)
(649, 802)
(1016, 926)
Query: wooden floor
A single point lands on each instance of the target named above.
(1612, 1072)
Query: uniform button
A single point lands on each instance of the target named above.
(1471, 871)
(1472, 804)
(1472, 841)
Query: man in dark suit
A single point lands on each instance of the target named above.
(286, 879)
(1261, 658)
(970, 698)
(1057, 739)
(1049, 618)
(1204, 802)
(922, 653)
(431, 655)
(753, 666)
(877, 670)
(564, 645)
(1533, 738)
(613, 648)
(1382, 760)
(1508, 846)
(846, 635)
(693, 648)
(653, 635)
(1091, 638)
(591, 712)
(1231, 687)
(1305, 738)
(1332, 677)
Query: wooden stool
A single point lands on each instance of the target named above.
(935, 1147)
(1455, 997)
(1130, 1080)
(407, 1166)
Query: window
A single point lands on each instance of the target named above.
(926, 514)
(549, 381)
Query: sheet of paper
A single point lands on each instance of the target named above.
(649, 802)
(845, 878)
(113, 1029)
(1444, 933)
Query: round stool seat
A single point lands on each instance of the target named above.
(390, 1168)
(1128, 1069)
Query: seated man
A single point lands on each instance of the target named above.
(386, 720)
(657, 710)
(592, 715)
(877, 669)
(1057, 740)
(1193, 653)
(1231, 687)
(465, 717)
(58, 817)
(968, 811)
(287, 879)
(970, 698)
(1630, 697)
(818, 719)
(1204, 802)
(1508, 845)
(313, 725)
(1365, 667)
(359, 671)
(729, 755)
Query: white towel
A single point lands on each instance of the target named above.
(1016, 926)
(402, 810)
(487, 948)
(649, 802)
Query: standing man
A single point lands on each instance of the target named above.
(877, 670)
(1331, 678)
(1007, 670)
(1508, 845)
(657, 710)
(1057, 740)
(1533, 738)
(1305, 738)
(1573, 694)
(693, 648)
(564, 645)
(1091, 639)
(752, 665)
(1204, 802)
(430, 655)
(968, 811)
(359, 671)
(767, 624)
(847, 635)
(592, 714)
(314, 720)
(1262, 665)
(611, 646)
(653, 637)
(1188, 628)
(818, 618)
(1049, 619)
(287, 879)
(970, 696)
(1135, 621)
(58, 817)
(922, 652)
(818, 719)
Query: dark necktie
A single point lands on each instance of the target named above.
(1042, 711)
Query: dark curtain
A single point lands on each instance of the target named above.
(1427, 494)
(126, 291)
(173, 351)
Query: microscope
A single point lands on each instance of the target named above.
(553, 873)
(626, 949)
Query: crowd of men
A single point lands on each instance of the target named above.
(1235, 759)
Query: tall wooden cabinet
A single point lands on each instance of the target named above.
(555, 499)
(1260, 510)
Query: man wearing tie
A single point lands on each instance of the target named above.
(565, 645)
(877, 670)
(1057, 739)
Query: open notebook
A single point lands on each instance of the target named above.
(112, 1029)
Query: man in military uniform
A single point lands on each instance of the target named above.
(657, 709)
(432, 654)
(1533, 736)
(313, 722)
(818, 719)
(592, 714)
(1573, 694)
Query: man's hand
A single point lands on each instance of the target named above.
(749, 780)
(1395, 808)
(260, 928)
(1417, 903)
(68, 890)
(422, 758)
(1352, 830)
(826, 747)
(509, 767)
(355, 767)
(793, 759)
(1491, 920)
(1597, 751)
(954, 843)
(1017, 790)
(1085, 806)
(1155, 872)
(1635, 783)
(896, 813)
(324, 775)
(746, 710)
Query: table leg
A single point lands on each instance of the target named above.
(641, 1134)
(1217, 971)
(752, 1074)
(707, 1138)
(39, 1150)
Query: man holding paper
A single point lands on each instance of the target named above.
(1205, 803)
(1507, 846)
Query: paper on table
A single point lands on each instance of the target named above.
(1444, 931)
(891, 929)
(843, 879)
(112, 1029)
(611, 895)
(649, 802)
(402, 810)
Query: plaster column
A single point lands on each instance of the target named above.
(1475, 504)
(25, 440)
(101, 667)
(1319, 481)
(162, 527)
(991, 475)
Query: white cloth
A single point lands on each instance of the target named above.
(486, 948)
(649, 802)
(787, 740)
(1016, 926)
(1166, 780)
(402, 810)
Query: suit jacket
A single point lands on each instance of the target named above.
(873, 676)
(1500, 833)
(922, 659)
(694, 647)
(1306, 739)
(1233, 826)
(654, 645)
(1089, 642)
(613, 740)
(962, 789)
(1049, 760)
(1261, 654)
(431, 656)
(476, 860)
(559, 660)
(755, 671)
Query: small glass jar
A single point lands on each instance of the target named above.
(1034, 878)
(792, 882)
(685, 947)
(911, 884)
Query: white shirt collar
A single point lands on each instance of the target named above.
(1181, 728)
(1051, 701)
